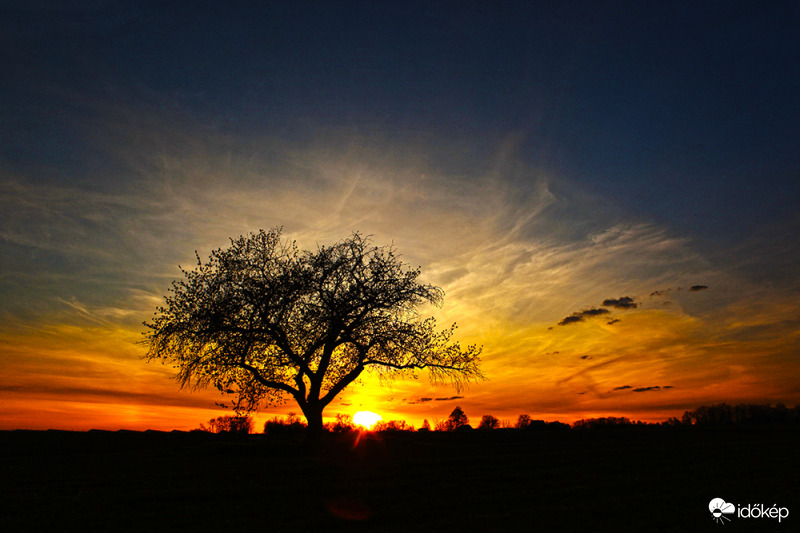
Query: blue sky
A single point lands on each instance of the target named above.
(535, 158)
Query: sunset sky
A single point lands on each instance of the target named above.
(538, 160)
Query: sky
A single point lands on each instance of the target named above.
(607, 192)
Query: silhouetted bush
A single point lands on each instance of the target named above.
(292, 423)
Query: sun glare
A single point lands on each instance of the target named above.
(366, 419)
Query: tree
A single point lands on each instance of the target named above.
(264, 321)
(344, 424)
(523, 421)
(489, 422)
(456, 420)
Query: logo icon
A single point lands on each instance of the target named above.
(719, 508)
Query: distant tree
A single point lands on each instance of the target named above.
(526, 423)
(523, 422)
(344, 423)
(238, 425)
(263, 321)
(456, 420)
(489, 422)
(293, 420)
(426, 426)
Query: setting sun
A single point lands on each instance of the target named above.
(366, 419)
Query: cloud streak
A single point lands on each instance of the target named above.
(580, 316)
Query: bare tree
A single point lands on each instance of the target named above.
(264, 321)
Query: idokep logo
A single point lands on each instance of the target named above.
(720, 508)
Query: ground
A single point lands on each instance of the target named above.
(651, 479)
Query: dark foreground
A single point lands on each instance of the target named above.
(618, 480)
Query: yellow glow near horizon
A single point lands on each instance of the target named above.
(366, 419)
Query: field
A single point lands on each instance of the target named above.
(650, 479)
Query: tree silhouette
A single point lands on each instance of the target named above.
(290, 424)
(489, 422)
(239, 425)
(456, 420)
(523, 421)
(264, 321)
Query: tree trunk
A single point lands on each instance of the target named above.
(313, 414)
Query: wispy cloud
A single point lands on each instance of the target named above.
(642, 389)
(580, 316)
(415, 401)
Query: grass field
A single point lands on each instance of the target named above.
(649, 479)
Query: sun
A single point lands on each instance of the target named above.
(366, 419)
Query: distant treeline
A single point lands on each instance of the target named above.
(710, 415)
(739, 415)
(704, 416)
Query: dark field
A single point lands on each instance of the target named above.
(615, 480)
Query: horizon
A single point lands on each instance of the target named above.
(259, 422)
(607, 193)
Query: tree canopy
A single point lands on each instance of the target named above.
(263, 321)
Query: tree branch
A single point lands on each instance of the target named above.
(268, 382)
(344, 382)
(411, 366)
